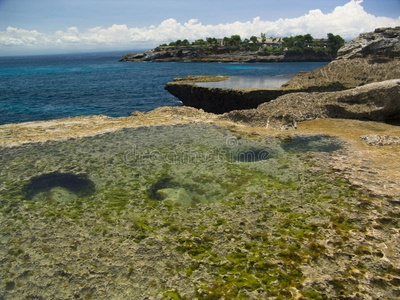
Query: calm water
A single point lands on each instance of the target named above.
(248, 82)
(205, 162)
(56, 86)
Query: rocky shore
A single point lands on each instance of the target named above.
(196, 54)
(370, 58)
(220, 100)
(295, 199)
(375, 101)
(329, 233)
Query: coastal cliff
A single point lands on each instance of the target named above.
(371, 58)
(197, 54)
(220, 100)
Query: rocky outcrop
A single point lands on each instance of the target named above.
(164, 54)
(198, 54)
(376, 101)
(362, 83)
(382, 44)
(220, 100)
(372, 57)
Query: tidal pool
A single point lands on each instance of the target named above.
(184, 212)
(183, 164)
(248, 82)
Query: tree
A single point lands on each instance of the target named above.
(288, 41)
(254, 39)
(263, 37)
(308, 38)
(226, 41)
(299, 41)
(185, 42)
(245, 44)
(235, 40)
(335, 42)
(199, 42)
(212, 41)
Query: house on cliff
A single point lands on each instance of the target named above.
(220, 42)
(274, 42)
(320, 43)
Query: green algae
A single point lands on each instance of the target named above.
(136, 164)
(251, 226)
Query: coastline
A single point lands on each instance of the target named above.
(178, 203)
(124, 247)
(193, 54)
(383, 158)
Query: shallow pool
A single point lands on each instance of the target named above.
(182, 164)
(142, 212)
(248, 82)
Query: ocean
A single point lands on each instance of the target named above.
(48, 87)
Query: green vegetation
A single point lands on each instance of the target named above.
(306, 44)
(296, 45)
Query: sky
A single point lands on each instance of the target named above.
(64, 26)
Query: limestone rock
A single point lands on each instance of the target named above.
(371, 57)
(220, 100)
(376, 101)
(383, 42)
(380, 140)
(164, 54)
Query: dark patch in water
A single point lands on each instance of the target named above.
(79, 184)
(165, 181)
(317, 143)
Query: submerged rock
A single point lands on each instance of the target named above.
(176, 196)
(57, 194)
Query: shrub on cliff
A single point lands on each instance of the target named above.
(295, 45)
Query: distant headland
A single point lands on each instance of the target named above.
(255, 49)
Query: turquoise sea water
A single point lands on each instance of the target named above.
(55, 86)
(177, 211)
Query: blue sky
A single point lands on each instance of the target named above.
(51, 26)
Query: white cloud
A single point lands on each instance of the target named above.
(348, 21)
(20, 37)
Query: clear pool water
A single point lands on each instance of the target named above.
(248, 82)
